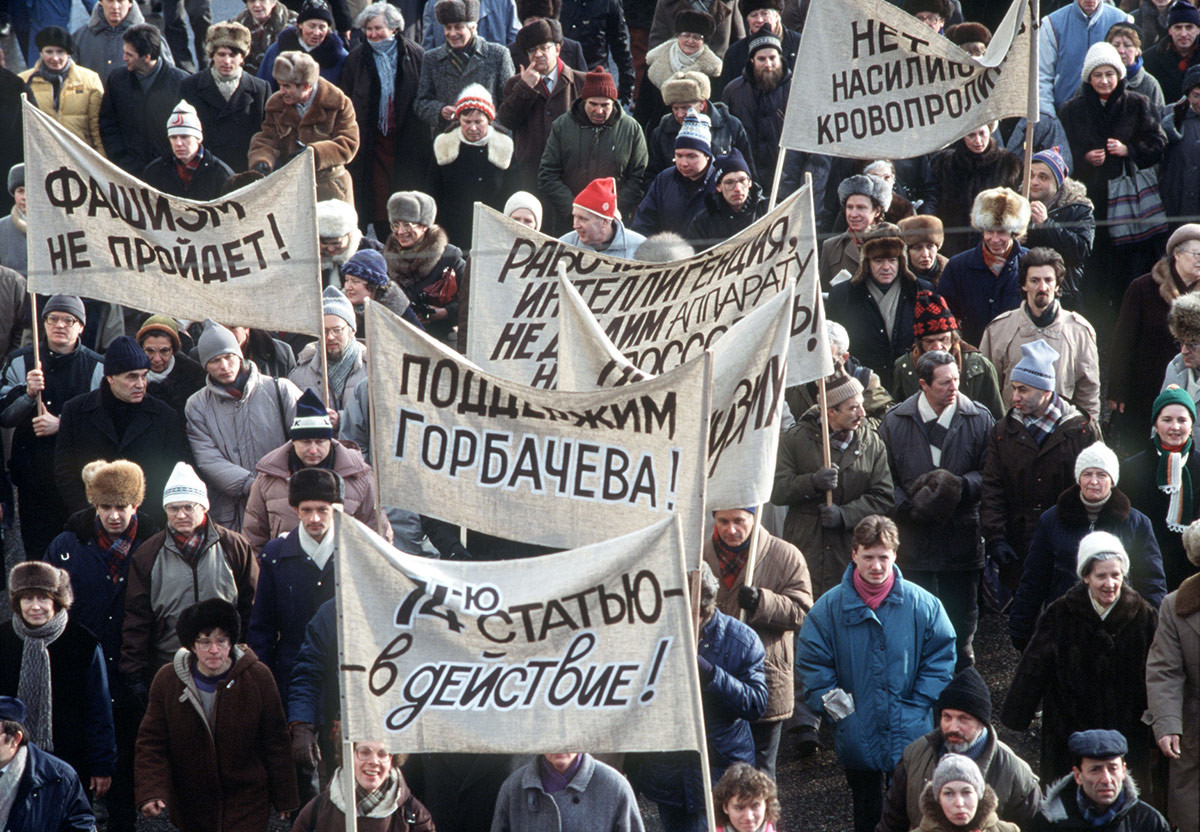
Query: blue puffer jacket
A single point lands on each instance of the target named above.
(894, 679)
(975, 294)
(313, 692)
(49, 797)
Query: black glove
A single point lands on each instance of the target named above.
(1001, 551)
(1019, 644)
(305, 751)
(263, 168)
(831, 517)
(825, 479)
(748, 598)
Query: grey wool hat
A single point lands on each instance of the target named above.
(65, 303)
(216, 340)
(863, 184)
(456, 11)
(334, 302)
(16, 178)
(412, 206)
(957, 768)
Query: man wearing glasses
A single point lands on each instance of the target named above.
(343, 354)
(736, 203)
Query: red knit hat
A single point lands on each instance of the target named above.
(931, 315)
(475, 97)
(598, 84)
(599, 197)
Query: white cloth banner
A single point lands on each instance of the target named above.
(659, 315)
(586, 649)
(879, 84)
(749, 367)
(538, 466)
(250, 258)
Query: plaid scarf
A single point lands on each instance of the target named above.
(460, 59)
(1040, 427)
(189, 545)
(186, 171)
(116, 552)
(368, 802)
(841, 440)
(730, 561)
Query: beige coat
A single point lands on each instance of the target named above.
(1173, 696)
(1073, 338)
(837, 253)
(78, 102)
(786, 597)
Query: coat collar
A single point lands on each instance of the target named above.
(1187, 598)
(658, 63)
(908, 408)
(532, 779)
(447, 146)
(1168, 283)
(1070, 507)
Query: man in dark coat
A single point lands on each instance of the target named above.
(733, 206)
(687, 91)
(229, 101)
(937, 441)
(48, 795)
(173, 376)
(599, 26)
(759, 96)
(190, 170)
(1175, 54)
(677, 194)
(1061, 218)
(138, 101)
(762, 17)
(12, 147)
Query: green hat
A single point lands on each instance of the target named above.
(1174, 395)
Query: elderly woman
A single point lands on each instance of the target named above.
(365, 277)
(685, 51)
(382, 800)
(1084, 665)
(901, 207)
(972, 164)
(313, 34)
(380, 77)
(266, 20)
(1093, 503)
(864, 200)
(64, 90)
(213, 749)
(958, 800)
(57, 668)
(422, 261)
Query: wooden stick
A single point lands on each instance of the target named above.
(826, 453)
(776, 179)
(37, 354)
(381, 518)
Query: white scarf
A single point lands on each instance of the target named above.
(925, 410)
(226, 86)
(318, 553)
(153, 376)
(680, 60)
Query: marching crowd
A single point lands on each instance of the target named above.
(1010, 423)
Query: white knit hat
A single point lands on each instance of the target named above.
(1100, 546)
(1102, 53)
(526, 200)
(184, 121)
(1100, 456)
(184, 486)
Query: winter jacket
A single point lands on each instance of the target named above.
(650, 107)
(1145, 84)
(1065, 37)
(162, 585)
(49, 797)
(99, 46)
(79, 99)
(850, 304)
(153, 438)
(99, 605)
(672, 202)
(730, 26)
(314, 690)
(13, 320)
(959, 175)
(734, 60)
(290, 589)
(578, 151)
(321, 815)
(270, 515)
(186, 377)
(1173, 695)
(1162, 61)
(864, 487)
(133, 121)
(599, 26)
(81, 712)
(261, 37)
(624, 244)
(1010, 782)
(1060, 811)
(1084, 673)
(1138, 474)
(530, 115)
(14, 242)
(761, 113)
(933, 819)
(330, 55)
(207, 182)
(1053, 555)
(1181, 169)
(976, 294)
(718, 221)
(951, 543)
(419, 268)
(727, 133)
(328, 127)
(598, 799)
(1069, 229)
(440, 83)
(976, 374)
(894, 661)
(1077, 368)
(308, 374)
(785, 597)
(228, 124)
(839, 252)
(272, 356)
(1049, 132)
(229, 436)
(465, 175)
(225, 774)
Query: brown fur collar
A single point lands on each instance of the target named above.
(1126, 609)
(1169, 285)
(1070, 506)
(408, 266)
(933, 819)
(1187, 597)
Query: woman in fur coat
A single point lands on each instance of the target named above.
(972, 164)
(423, 263)
(686, 50)
(957, 800)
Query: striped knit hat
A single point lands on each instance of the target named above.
(696, 133)
(475, 97)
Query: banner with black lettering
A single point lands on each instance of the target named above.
(749, 367)
(873, 82)
(589, 649)
(659, 315)
(250, 258)
(540, 466)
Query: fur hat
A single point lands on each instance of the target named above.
(748, 6)
(686, 85)
(456, 11)
(1098, 455)
(544, 30)
(932, 315)
(1191, 542)
(922, 228)
(953, 768)
(412, 206)
(1188, 232)
(664, 247)
(966, 692)
(863, 184)
(36, 576)
(538, 8)
(961, 34)
(841, 386)
(1184, 318)
(695, 22)
(296, 67)
(209, 615)
(163, 325)
(1103, 53)
(935, 495)
(1100, 546)
(335, 219)
(942, 8)
(1000, 209)
(315, 10)
(119, 483)
(475, 97)
(233, 36)
(185, 486)
(881, 240)
(54, 36)
(16, 178)
(319, 484)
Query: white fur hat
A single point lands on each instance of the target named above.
(1100, 546)
(1000, 209)
(335, 218)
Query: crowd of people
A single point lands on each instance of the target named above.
(1003, 362)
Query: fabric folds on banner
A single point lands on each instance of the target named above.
(250, 258)
(585, 649)
(538, 466)
(879, 84)
(658, 315)
(749, 368)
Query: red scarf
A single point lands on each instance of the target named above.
(873, 595)
(185, 171)
(116, 552)
(994, 263)
(730, 561)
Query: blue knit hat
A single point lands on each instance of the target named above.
(368, 265)
(1052, 159)
(1036, 367)
(124, 355)
(734, 161)
(312, 419)
(696, 133)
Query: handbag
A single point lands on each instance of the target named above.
(443, 290)
(1135, 209)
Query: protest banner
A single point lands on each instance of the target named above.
(556, 469)
(250, 258)
(749, 367)
(659, 315)
(879, 84)
(589, 649)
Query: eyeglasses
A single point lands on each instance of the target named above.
(336, 331)
(209, 643)
(181, 508)
(364, 754)
(735, 182)
(61, 320)
(542, 49)
(406, 226)
(1186, 345)
(691, 36)
(1190, 252)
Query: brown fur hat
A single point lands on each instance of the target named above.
(748, 6)
(961, 34)
(922, 228)
(686, 85)
(119, 483)
(456, 11)
(882, 240)
(231, 35)
(1000, 209)
(1184, 318)
(546, 30)
(538, 8)
(935, 495)
(296, 67)
(36, 576)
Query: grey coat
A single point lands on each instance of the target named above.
(308, 374)
(598, 799)
(229, 436)
(14, 246)
(98, 46)
(440, 83)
